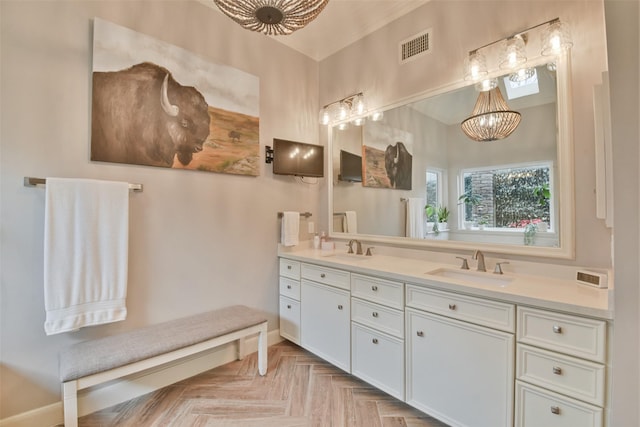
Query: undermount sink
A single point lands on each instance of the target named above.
(351, 257)
(475, 277)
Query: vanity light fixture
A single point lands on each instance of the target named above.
(272, 17)
(555, 37)
(352, 108)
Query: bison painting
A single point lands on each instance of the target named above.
(397, 163)
(142, 115)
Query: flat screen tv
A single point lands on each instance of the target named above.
(350, 167)
(297, 158)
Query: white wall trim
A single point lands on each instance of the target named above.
(114, 392)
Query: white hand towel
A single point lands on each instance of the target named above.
(415, 220)
(350, 222)
(290, 228)
(86, 237)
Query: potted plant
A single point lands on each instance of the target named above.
(443, 218)
(469, 200)
(432, 217)
(482, 222)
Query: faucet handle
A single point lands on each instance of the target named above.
(465, 264)
(498, 269)
(369, 251)
(350, 245)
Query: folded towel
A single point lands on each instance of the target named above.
(415, 218)
(85, 253)
(290, 228)
(350, 222)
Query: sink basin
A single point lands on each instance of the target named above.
(351, 257)
(474, 277)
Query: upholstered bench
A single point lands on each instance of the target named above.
(93, 362)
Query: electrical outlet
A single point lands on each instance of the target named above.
(311, 227)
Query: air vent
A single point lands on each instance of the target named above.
(415, 46)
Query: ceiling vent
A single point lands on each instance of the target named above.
(415, 46)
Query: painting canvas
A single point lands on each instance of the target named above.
(157, 104)
(386, 157)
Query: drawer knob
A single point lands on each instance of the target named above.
(289, 306)
(322, 275)
(452, 306)
(288, 267)
(340, 307)
(555, 410)
(557, 329)
(374, 314)
(288, 286)
(375, 340)
(557, 370)
(374, 288)
(420, 333)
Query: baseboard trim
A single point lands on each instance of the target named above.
(121, 390)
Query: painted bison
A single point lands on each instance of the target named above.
(397, 163)
(141, 115)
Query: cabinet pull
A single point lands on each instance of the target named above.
(374, 314)
(557, 329)
(288, 267)
(375, 340)
(557, 370)
(322, 275)
(555, 410)
(340, 307)
(420, 333)
(452, 306)
(374, 288)
(288, 286)
(289, 306)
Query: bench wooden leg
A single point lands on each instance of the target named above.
(241, 350)
(262, 350)
(70, 403)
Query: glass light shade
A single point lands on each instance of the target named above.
(522, 74)
(358, 106)
(272, 17)
(491, 118)
(325, 116)
(343, 126)
(376, 116)
(359, 121)
(342, 111)
(512, 53)
(475, 66)
(556, 38)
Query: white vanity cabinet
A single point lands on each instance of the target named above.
(377, 333)
(325, 314)
(458, 369)
(289, 282)
(560, 369)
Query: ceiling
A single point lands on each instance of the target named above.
(337, 27)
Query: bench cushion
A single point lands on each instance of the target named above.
(90, 357)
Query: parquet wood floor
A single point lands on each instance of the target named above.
(299, 389)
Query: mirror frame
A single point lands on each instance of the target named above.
(566, 188)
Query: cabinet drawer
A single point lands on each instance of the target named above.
(377, 316)
(488, 313)
(290, 319)
(290, 288)
(536, 407)
(290, 269)
(577, 336)
(328, 276)
(378, 290)
(577, 378)
(378, 359)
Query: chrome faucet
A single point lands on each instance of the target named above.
(480, 257)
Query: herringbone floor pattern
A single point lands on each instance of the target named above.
(299, 389)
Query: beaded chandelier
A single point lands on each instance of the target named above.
(491, 118)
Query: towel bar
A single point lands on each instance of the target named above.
(304, 214)
(30, 181)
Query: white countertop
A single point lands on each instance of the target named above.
(538, 291)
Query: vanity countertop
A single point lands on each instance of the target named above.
(538, 291)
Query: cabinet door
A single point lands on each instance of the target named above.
(461, 373)
(325, 320)
(290, 319)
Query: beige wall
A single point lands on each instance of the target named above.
(198, 240)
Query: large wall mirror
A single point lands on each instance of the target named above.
(414, 178)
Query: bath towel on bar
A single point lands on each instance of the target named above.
(415, 221)
(86, 235)
(290, 228)
(350, 222)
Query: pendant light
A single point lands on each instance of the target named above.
(491, 118)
